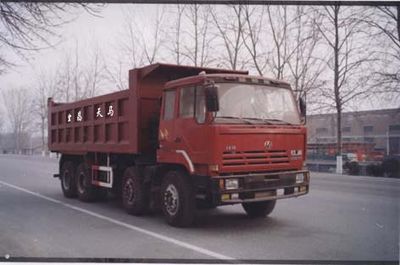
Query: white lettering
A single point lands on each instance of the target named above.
(98, 113)
(79, 116)
(110, 111)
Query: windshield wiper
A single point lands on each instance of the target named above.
(235, 118)
(258, 119)
(270, 121)
(280, 121)
(246, 119)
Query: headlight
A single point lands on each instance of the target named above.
(231, 184)
(213, 168)
(299, 178)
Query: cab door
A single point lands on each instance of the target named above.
(190, 132)
(167, 122)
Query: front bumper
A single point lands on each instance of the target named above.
(255, 187)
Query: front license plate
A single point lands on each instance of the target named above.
(264, 194)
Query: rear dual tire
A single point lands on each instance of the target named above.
(177, 197)
(135, 192)
(67, 178)
(77, 182)
(85, 190)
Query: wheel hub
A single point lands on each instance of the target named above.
(171, 199)
(129, 193)
(66, 179)
(82, 182)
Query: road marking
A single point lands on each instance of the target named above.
(131, 227)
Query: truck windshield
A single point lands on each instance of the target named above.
(252, 103)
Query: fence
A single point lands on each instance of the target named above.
(375, 155)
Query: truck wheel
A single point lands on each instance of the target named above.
(259, 209)
(177, 199)
(86, 191)
(67, 178)
(134, 192)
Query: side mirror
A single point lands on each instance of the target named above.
(212, 103)
(303, 108)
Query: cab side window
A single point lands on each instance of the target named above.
(169, 104)
(200, 104)
(192, 103)
(186, 102)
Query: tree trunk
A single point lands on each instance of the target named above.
(178, 36)
(16, 139)
(196, 33)
(43, 132)
(336, 84)
(398, 21)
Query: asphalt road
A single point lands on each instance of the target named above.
(342, 218)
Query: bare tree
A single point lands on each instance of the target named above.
(117, 75)
(130, 45)
(4, 64)
(177, 51)
(77, 74)
(128, 51)
(67, 79)
(386, 22)
(46, 86)
(389, 25)
(230, 30)
(141, 44)
(343, 33)
(194, 18)
(305, 66)
(151, 44)
(284, 42)
(254, 23)
(81, 75)
(94, 73)
(143, 40)
(18, 105)
(279, 22)
(31, 26)
(2, 121)
(196, 35)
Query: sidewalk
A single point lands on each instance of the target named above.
(352, 177)
(38, 157)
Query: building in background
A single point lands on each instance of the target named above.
(366, 135)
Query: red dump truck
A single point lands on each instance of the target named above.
(181, 138)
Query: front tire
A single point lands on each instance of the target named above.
(86, 191)
(67, 177)
(259, 209)
(134, 192)
(177, 199)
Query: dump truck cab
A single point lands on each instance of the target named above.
(242, 138)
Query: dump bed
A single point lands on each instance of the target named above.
(120, 122)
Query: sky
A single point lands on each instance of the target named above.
(88, 30)
(85, 30)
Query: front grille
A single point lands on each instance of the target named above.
(271, 157)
